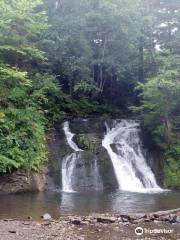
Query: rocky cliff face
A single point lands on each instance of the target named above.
(23, 181)
(88, 137)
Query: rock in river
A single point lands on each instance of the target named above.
(46, 217)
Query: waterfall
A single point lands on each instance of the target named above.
(75, 174)
(123, 144)
(98, 185)
(69, 162)
(68, 166)
(69, 137)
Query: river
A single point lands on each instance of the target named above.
(21, 206)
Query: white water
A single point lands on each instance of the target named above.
(69, 137)
(131, 170)
(69, 165)
(97, 178)
(69, 162)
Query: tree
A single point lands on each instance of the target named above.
(22, 117)
(93, 48)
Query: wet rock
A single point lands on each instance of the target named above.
(138, 221)
(172, 218)
(76, 220)
(106, 219)
(135, 218)
(12, 231)
(178, 219)
(167, 218)
(124, 218)
(147, 220)
(165, 213)
(151, 218)
(140, 216)
(46, 217)
(130, 218)
(156, 215)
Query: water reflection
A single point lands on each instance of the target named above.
(23, 205)
(84, 203)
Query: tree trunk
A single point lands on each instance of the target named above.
(102, 81)
(168, 128)
(71, 86)
(141, 60)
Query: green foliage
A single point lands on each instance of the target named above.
(84, 87)
(159, 109)
(26, 97)
(22, 134)
(21, 139)
(93, 145)
(86, 142)
(172, 166)
(82, 141)
(160, 101)
(46, 93)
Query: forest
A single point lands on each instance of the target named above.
(77, 58)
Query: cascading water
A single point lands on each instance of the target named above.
(98, 185)
(124, 147)
(69, 137)
(69, 162)
(68, 166)
(76, 173)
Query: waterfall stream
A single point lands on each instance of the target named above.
(69, 162)
(74, 176)
(123, 144)
(69, 137)
(68, 166)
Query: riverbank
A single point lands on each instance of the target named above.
(160, 225)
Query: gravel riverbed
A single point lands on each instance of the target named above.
(94, 227)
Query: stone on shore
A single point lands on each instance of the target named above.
(46, 217)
